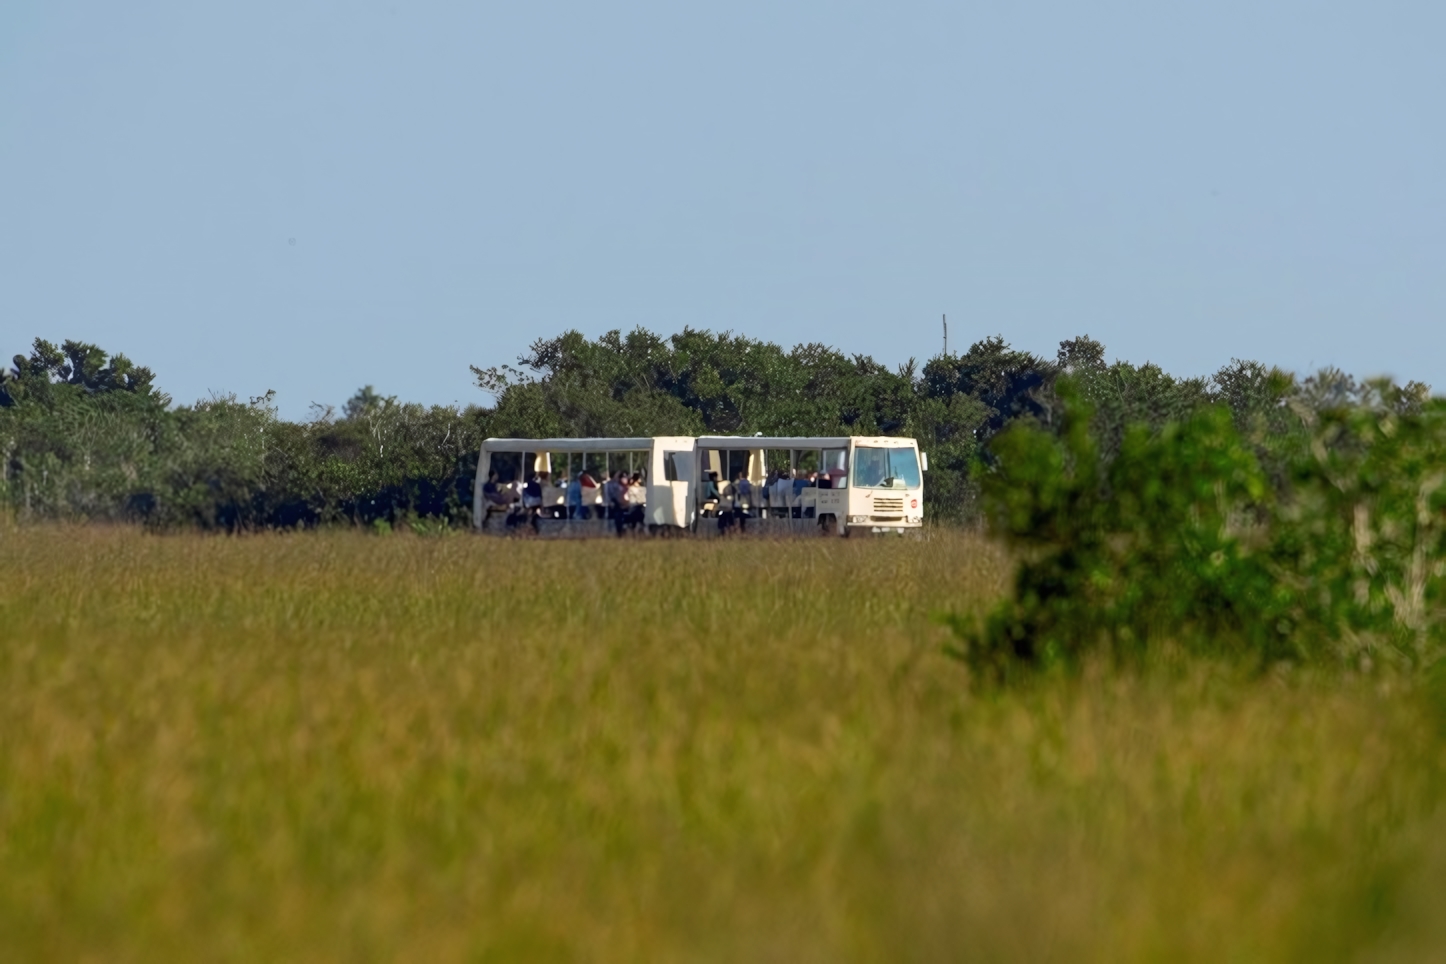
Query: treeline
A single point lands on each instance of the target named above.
(85, 434)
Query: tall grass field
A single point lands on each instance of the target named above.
(350, 747)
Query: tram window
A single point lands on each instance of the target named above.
(676, 466)
(775, 460)
(618, 460)
(507, 465)
(836, 467)
(595, 464)
(885, 468)
(737, 462)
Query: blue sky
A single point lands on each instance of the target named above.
(309, 196)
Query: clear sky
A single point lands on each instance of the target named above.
(309, 196)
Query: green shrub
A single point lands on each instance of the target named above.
(1181, 537)
(1359, 545)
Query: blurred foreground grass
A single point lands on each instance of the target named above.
(342, 747)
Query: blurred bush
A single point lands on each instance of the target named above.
(1308, 528)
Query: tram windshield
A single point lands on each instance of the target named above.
(886, 468)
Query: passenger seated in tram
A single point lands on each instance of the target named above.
(765, 493)
(780, 489)
(743, 489)
(637, 500)
(801, 481)
(532, 497)
(609, 493)
(737, 497)
(554, 497)
(575, 507)
(615, 498)
(710, 492)
(496, 494)
(532, 491)
(496, 497)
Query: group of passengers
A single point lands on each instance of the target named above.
(621, 498)
(737, 501)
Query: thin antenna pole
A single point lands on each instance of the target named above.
(946, 333)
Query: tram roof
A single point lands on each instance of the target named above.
(793, 441)
(684, 441)
(582, 444)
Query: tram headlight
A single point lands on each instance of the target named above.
(858, 518)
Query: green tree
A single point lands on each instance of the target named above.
(77, 365)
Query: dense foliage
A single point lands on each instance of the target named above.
(80, 438)
(1311, 528)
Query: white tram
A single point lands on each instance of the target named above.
(708, 485)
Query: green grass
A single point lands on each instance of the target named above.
(343, 747)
